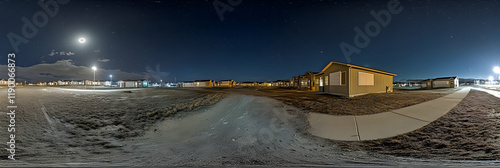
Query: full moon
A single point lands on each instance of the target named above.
(81, 40)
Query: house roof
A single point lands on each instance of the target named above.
(453, 77)
(311, 73)
(358, 67)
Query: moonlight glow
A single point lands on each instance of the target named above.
(81, 40)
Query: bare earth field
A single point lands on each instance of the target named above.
(59, 125)
(470, 131)
(224, 127)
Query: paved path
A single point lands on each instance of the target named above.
(383, 125)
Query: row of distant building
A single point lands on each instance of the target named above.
(335, 78)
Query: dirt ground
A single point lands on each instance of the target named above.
(198, 127)
(359, 105)
(75, 124)
(470, 131)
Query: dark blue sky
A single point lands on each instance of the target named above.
(260, 40)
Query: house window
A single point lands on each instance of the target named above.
(337, 78)
(366, 79)
(326, 80)
(342, 78)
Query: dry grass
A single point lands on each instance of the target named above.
(359, 105)
(470, 131)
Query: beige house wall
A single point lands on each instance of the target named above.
(338, 90)
(381, 84)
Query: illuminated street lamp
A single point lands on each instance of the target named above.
(497, 71)
(94, 68)
(111, 83)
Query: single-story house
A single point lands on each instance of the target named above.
(281, 83)
(308, 81)
(90, 82)
(127, 83)
(203, 83)
(294, 82)
(265, 84)
(248, 84)
(226, 83)
(63, 83)
(318, 82)
(132, 83)
(187, 84)
(352, 80)
(443, 82)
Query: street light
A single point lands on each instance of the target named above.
(497, 71)
(94, 68)
(111, 83)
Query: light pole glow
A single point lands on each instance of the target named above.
(496, 70)
(111, 83)
(94, 68)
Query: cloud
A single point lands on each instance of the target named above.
(103, 60)
(66, 53)
(67, 70)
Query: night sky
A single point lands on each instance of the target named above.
(259, 40)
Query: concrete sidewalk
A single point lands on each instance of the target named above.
(383, 125)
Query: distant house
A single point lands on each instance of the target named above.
(281, 83)
(248, 84)
(4, 82)
(308, 81)
(132, 83)
(203, 83)
(62, 83)
(90, 82)
(294, 82)
(187, 84)
(226, 83)
(318, 84)
(443, 82)
(265, 84)
(352, 80)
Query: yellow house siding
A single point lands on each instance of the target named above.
(336, 89)
(381, 81)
